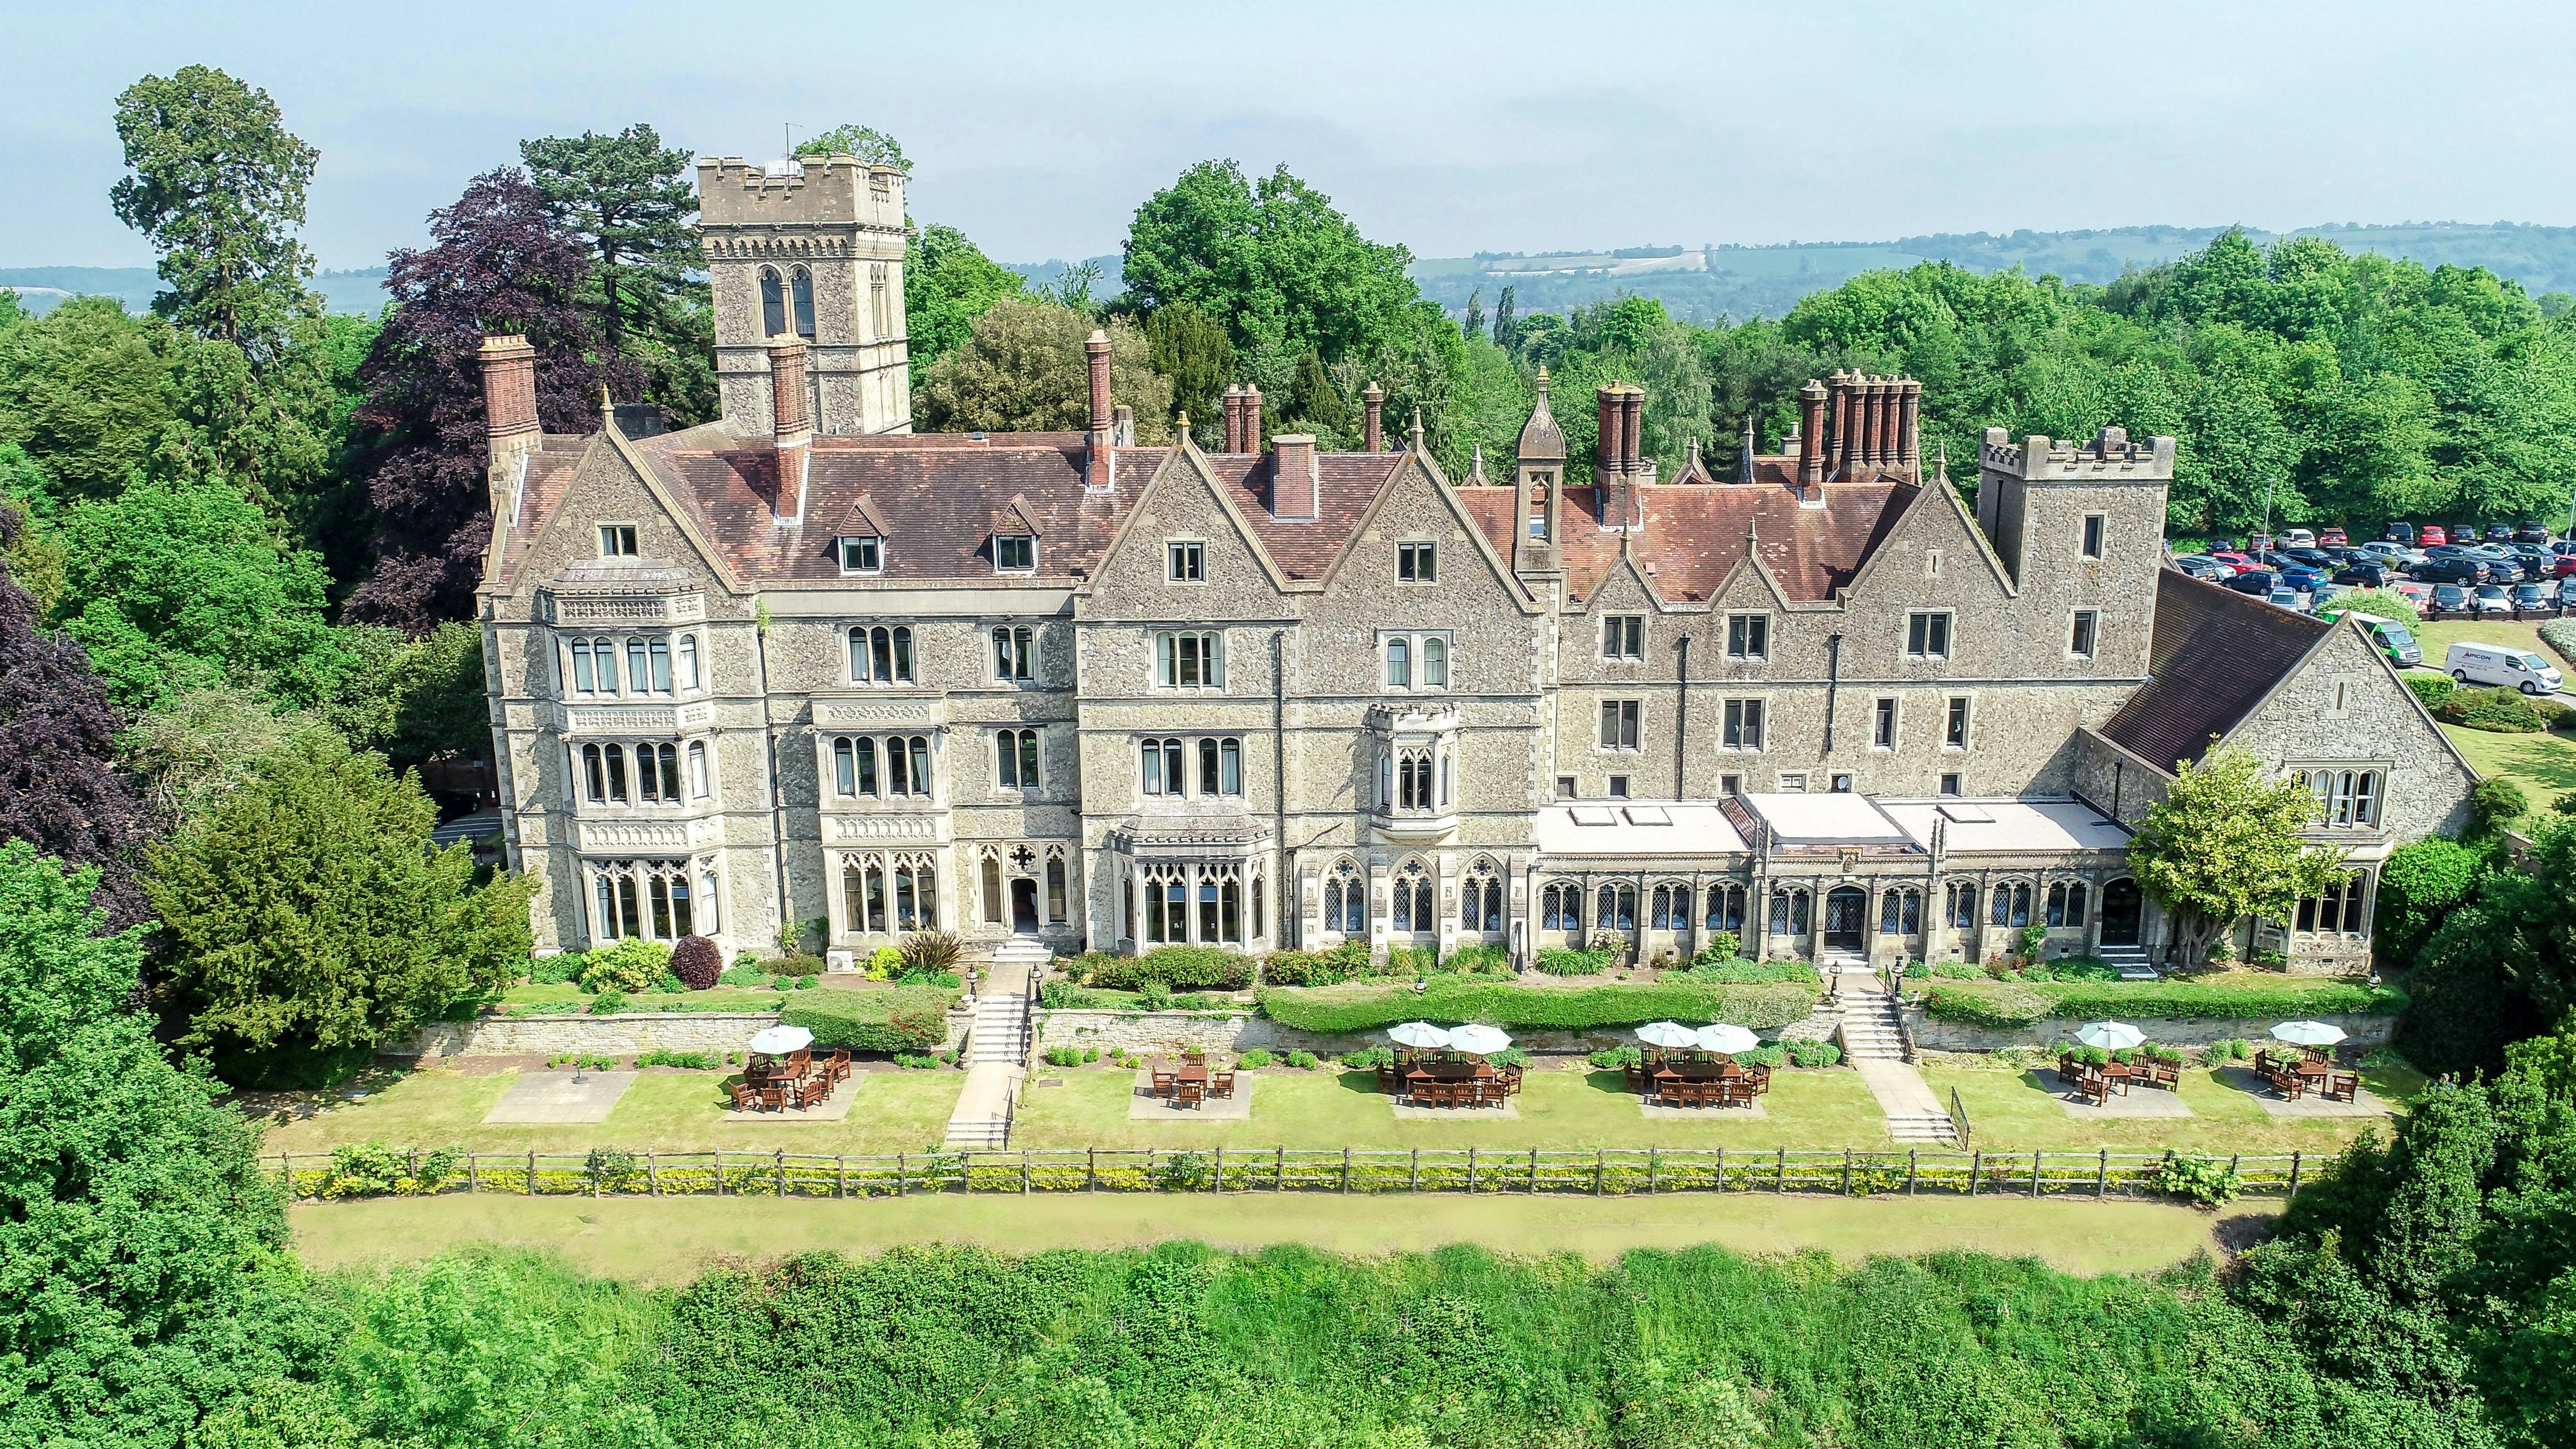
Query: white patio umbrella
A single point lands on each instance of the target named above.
(2116, 1036)
(778, 1041)
(1417, 1034)
(1478, 1040)
(1720, 1037)
(1667, 1034)
(2308, 1033)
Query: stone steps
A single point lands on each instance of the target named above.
(1922, 1128)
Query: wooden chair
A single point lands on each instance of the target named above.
(746, 1097)
(1444, 1094)
(1493, 1092)
(1760, 1077)
(1390, 1080)
(1637, 1081)
(814, 1090)
(1191, 1093)
(1511, 1080)
(773, 1097)
(1165, 1083)
(2094, 1089)
(2069, 1070)
(2343, 1086)
(1221, 1084)
(2289, 1084)
(1194, 1059)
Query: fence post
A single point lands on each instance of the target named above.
(899, 1174)
(1600, 1168)
(2102, 1182)
(1976, 1169)
(1471, 1169)
(653, 1171)
(473, 1175)
(1024, 1172)
(411, 1163)
(1721, 1169)
(840, 1174)
(1279, 1170)
(1414, 1183)
(1847, 1166)
(1780, 1183)
(532, 1174)
(1654, 1169)
(1533, 1187)
(719, 1172)
(1091, 1169)
(2294, 1173)
(779, 1171)
(2034, 1172)
(1346, 1169)
(1219, 1184)
(1913, 1157)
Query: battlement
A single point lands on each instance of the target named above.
(2108, 456)
(836, 191)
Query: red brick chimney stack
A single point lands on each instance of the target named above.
(509, 396)
(791, 422)
(1095, 351)
(1811, 425)
(1373, 406)
(1233, 418)
(1251, 418)
(1293, 484)
(1605, 451)
(1834, 448)
(1632, 431)
(1909, 435)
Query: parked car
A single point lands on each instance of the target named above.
(2562, 565)
(2258, 543)
(2566, 594)
(2429, 535)
(2301, 578)
(2257, 582)
(2499, 533)
(2534, 599)
(2298, 538)
(2414, 593)
(2332, 537)
(2450, 570)
(2389, 552)
(2290, 599)
(2392, 637)
(2502, 666)
(2491, 599)
(2402, 533)
(2450, 598)
(2363, 575)
(2506, 567)
(2315, 558)
(2531, 533)
(2201, 566)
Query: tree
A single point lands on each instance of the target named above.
(1507, 328)
(1191, 349)
(2421, 884)
(630, 198)
(1474, 325)
(217, 184)
(1274, 260)
(1023, 370)
(59, 786)
(417, 700)
(498, 262)
(84, 391)
(947, 284)
(177, 586)
(2224, 844)
(867, 143)
(308, 922)
(143, 1271)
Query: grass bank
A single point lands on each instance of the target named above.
(675, 1239)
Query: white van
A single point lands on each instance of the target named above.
(2496, 664)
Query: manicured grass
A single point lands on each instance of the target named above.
(675, 1239)
(1562, 1108)
(2542, 764)
(2010, 1111)
(672, 1111)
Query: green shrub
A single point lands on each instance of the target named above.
(740, 974)
(1063, 1056)
(884, 962)
(1344, 962)
(634, 964)
(1412, 960)
(2072, 968)
(2495, 805)
(1809, 1052)
(1254, 1060)
(1369, 1059)
(1773, 1056)
(901, 1019)
(2420, 885)
(1154, 996)
(557, 969)
(694, 1061)
(1737, 970)
(2505, 711)
(1483, 956)
(608, 1002)
(2560, 634)
(2013, 1005)
(2206, 1181)
(2432, 689)
(1057, 995)
(1509, 1057)
(1722, 946)
(797, 966)
(1567, 961)
(916, 1062)
(1459, 999)
(1173, 967)
(932, 953)
(1611, 1059)
(1303, 1061)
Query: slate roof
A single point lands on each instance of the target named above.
(1695, 533)
(1349, 482)
(2215, 655)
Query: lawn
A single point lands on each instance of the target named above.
(2542, 764)
(1560, 1109)
(672, 1240)
(674, 1111)
(2010, 1111)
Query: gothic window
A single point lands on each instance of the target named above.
(1015, 758)
(2011, 905)
(1614, 908)
(1789, 913)
(2066, 903)
(1959, 903)
(881, 654)
(1399, 664)
(880, 323)
(1055, 887)
(697, 769)
(1167, 904)
(1725, 908)
(689, 662)
(801, 291)
(1671, 908)
(648, 898)
(1413, 777)
(1414, 661)
(993, 902)
(1480, 899)
(773, 304)
(1413, 899)
(2336, 911)
(1900, 912)
(1561, 908)
(1345, 900)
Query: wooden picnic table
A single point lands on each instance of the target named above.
(1449, 1071)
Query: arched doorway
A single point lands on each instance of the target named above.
(2122, 908)
(1024, 905)
(1844, 906)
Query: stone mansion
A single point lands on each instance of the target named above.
(803, 665)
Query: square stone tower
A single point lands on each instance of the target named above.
(810, 249)
(2080, 526)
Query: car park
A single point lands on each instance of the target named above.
(2491, 599)
(2530, 599)
(2450, 598)
(2431, 534)
(2501, 666)
(2363, 575)
(2257, 582)
(2531, 533)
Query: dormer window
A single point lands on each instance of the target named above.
(864, 554)
(617, 540)
(1015, 553)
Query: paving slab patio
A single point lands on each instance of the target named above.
(2135, 1102)
(2243, 1079)
(561, 1097)
(834, 1108)
(1144, 1106)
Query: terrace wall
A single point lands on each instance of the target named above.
(613, 1035)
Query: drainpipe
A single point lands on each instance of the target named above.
(1681, 719)
(1833, 685)
(1283, 882)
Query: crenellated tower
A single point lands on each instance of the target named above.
(812, 250)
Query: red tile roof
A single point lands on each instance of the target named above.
(1695, 533)
(1348, 483)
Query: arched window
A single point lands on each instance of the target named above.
(801, 290)
(1435, 663)
(1345, 900)
(584, 681)
(1162, 767)
(1055, 887)
(1413, 899)
(1413, 780)
(1789, 913)
(697, 769)
(1480, 899)
(773, 304)
(1662, 916)
(689, 662)
(1167, 904)
(2067, 903)
(1615, 908)
(1399, 663)
(594, 774)
(1900, 912)
(660, 652)
(993, 903)
(605, 650)
(1015, 758)
(616, 755)
(1959, 904)
(2011, 905)
(880, 654)
(648, 898)
(1725, 907)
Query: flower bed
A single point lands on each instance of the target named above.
(905, 1019)
(1757, 1005)
(2010, 1005)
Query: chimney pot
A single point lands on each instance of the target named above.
(1233, 418)
(1373, 405)
(1811, 431)
(1294, 486)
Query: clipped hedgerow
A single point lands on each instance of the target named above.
(902, 1019)
(1540, 1008)
(2016, 1004)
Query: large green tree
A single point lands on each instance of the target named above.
(144, 1281)
(948, 282)
(1023, 370)
(632, 199)
(306, 921)
(1191, 348)
(217, 183)
(2224, 844)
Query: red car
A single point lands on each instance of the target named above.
(2333, 538)
(2430, 536)
(2563, 566)
(2236, 561)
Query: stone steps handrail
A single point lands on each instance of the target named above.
(321, 1176)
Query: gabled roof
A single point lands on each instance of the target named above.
(1694, 534)
(1304, 549)
(2216, 654)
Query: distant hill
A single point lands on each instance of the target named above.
(41, 289)
(1709, 282)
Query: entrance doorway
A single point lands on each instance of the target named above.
(1843, 908)
(2121, 910)
(1024, 906)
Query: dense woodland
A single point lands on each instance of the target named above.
(240, 539)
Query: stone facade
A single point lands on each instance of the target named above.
(842, 683)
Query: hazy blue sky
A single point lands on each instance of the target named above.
(1450, 128)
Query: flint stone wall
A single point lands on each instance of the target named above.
(620, 1034)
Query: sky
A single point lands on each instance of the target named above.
(1450, 128)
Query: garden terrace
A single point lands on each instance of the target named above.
(1360, 1007)
(2250, 996)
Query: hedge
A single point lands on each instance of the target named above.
(2011, 1005)
(901, 1019)
(1758, 1006)
(1182, 968)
